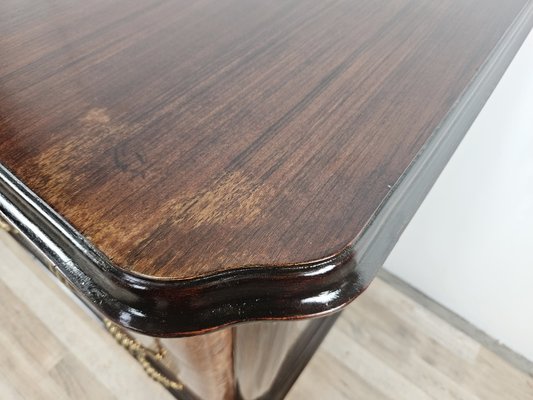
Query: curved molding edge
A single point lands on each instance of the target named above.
(188, 307)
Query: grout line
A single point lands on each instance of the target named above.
(513, 358)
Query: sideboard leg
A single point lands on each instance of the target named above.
(269, 356)
(252, 361)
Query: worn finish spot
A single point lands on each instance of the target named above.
(235, 200)
(96, 116)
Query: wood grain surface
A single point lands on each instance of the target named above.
(209, 162)
(186, 138)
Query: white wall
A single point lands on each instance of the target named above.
(470, 245)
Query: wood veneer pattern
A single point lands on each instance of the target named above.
(185, 139)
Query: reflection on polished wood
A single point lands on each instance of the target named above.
(267, 132)
(259, 353)
(268, 145)
(187, 166)
(205, 364)
(282, 351)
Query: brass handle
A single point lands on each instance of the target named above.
(140, 352)
(4, 225)
(135, 348)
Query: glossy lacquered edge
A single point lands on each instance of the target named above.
(186, 307)
(179, 307)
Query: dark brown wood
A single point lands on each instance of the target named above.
(269, 357)
(252, 361)
(219, 161)
(260, 349)
(205, 364)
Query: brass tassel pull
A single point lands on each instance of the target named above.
(140, 352)
(4, 225)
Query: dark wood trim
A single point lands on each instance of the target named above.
(177, 308)
(298, 357)
(187, 307)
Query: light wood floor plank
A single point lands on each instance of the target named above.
(78, 380)
(337, 379)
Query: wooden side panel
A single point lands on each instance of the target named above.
(254, 361)
(270, 356)
(204, 364)
(260, 349)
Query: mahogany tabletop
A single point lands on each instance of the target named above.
(190, 164)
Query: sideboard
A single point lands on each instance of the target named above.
(216, 180)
